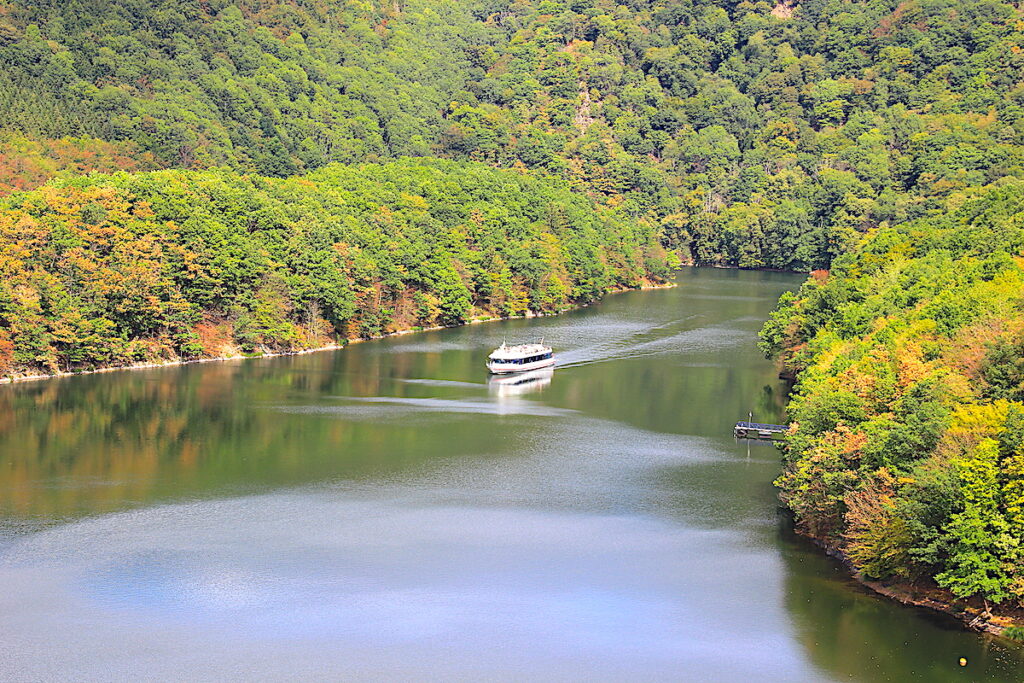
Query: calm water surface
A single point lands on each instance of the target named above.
(386, 512)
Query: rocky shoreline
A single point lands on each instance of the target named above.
(934, 598)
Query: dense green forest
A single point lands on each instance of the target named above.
(907, 449)
(757, 134)
(114, 269)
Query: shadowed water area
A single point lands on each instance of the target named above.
(387, 512)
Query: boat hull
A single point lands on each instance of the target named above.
(505, 369)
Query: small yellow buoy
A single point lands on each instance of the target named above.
(963, 661)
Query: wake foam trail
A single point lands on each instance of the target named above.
(696, 340)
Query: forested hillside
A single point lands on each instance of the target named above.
(756, 134)
(908, 444)
(115, 269)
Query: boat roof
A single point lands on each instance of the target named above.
(519, 351)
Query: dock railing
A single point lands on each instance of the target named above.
(759, 430)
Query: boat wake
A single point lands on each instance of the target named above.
(694, 341)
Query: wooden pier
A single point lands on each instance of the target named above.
(758, 430)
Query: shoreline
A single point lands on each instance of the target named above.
(327, 347)
(935, 599)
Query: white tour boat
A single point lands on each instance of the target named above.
(522, 358)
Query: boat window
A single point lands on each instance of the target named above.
(523, 361)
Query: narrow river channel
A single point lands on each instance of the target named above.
(384, 512)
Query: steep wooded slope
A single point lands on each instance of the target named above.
(756, 134)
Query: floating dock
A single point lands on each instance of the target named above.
(759, 430)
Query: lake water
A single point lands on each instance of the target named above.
(385, 512)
